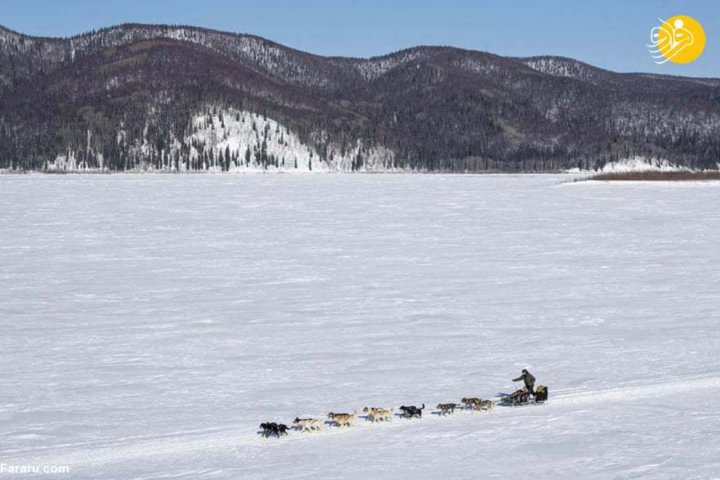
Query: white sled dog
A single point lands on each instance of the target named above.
(376, 414)
(308, 424)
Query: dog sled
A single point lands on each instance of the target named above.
(523, 397)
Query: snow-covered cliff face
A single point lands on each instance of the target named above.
(232, 140)
(258, 143)
(247, 141)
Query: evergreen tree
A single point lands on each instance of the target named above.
(221, 160)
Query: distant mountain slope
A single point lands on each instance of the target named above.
(128, 97)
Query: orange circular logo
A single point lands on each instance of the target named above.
(679, 39)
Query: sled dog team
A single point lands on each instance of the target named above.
(377, 414)
(374, 415)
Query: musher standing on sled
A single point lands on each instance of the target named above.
(529, 380)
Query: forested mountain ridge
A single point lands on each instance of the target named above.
(185, 98)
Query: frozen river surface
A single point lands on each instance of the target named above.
(150, 323)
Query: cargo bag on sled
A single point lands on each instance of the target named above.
(541, 394)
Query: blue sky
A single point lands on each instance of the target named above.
(610, 34)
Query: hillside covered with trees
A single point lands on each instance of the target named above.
(138, 97)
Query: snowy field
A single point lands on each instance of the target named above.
(150, 323)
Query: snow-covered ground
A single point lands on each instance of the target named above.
(150, 323)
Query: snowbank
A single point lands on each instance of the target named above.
(634, 164)
(640, 164)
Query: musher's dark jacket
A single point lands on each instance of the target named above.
(528, 378)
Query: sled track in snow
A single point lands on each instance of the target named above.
(633, 392)
(182, 443)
